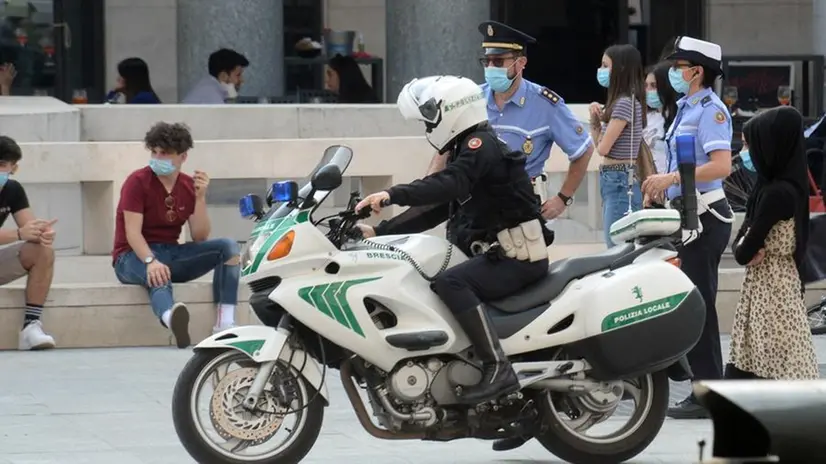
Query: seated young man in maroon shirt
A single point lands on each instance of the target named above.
(155, 202)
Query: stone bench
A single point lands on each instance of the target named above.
(111, 314)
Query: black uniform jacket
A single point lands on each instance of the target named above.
(483, 189)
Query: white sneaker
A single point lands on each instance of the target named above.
(32, 337)
(218, 329)
(179, 324)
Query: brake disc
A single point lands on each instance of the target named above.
(232, 420)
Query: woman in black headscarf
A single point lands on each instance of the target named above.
(771, 338)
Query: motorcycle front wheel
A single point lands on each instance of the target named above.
(215, 427)
(568, 419)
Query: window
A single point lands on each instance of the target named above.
(302, 18)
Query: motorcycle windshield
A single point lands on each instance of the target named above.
(338, 155)
(280, 218)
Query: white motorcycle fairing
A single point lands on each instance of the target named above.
(340, 294)
(263, 344)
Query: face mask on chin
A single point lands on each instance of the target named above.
(4, 177)
(497, 79)
(229, 88)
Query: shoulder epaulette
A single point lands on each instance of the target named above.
(706, 101)
(550, 95)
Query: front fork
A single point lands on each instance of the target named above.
(266, 369)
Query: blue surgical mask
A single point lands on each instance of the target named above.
(745, 158)
(652, 99)
(161, 167)
(497, 79)
(675, 78)
(4, 177)
(604, 76)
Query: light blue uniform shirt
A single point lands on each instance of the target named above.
(533, 120)
(704, 116)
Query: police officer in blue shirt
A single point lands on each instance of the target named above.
(696, 66)
(529, 117)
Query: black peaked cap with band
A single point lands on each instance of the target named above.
(698, 52)
(500, 38)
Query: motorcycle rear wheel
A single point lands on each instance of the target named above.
(191, 433)
(570, 446)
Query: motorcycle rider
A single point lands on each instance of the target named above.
(501, 228)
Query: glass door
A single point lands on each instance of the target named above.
(52, 47)
(78, 31)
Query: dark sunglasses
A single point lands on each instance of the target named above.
(171, 214)
(497, 61)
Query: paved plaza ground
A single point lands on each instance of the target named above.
(112, 406)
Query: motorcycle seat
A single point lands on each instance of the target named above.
(560, 274)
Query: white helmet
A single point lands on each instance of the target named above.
(448, 105)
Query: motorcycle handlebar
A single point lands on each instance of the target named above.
(364, 213)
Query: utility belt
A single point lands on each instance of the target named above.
(540, 187)
(704, 202)
(525, 242)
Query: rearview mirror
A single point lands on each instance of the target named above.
(251, 206)
(327, 179)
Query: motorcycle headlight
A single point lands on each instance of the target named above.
(252, 247)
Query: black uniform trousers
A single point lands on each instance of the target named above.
(701, 262)
(486, 277)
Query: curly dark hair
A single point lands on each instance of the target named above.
(171, 138)
(9, 150)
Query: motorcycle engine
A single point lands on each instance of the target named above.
(412, 382)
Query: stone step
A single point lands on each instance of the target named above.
(111, 314)
(115, 315)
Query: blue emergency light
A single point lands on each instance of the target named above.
(284, 191)
(250, 206)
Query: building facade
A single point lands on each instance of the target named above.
(71, 47)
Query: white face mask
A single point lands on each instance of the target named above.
(232, 92)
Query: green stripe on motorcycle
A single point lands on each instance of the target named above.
(642, 312)
(331, 299)
(279, 227)
(248, 346)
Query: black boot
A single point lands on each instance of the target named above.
(498, 377)
(688, 408)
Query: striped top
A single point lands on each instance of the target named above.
(624, 148)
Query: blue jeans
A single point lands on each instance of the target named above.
(186, 262)
(613, 187)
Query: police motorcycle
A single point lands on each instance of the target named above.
(599, 331)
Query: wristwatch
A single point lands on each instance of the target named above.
(566, 199)
(148, 260)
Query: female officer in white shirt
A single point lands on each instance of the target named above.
(696, 65)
